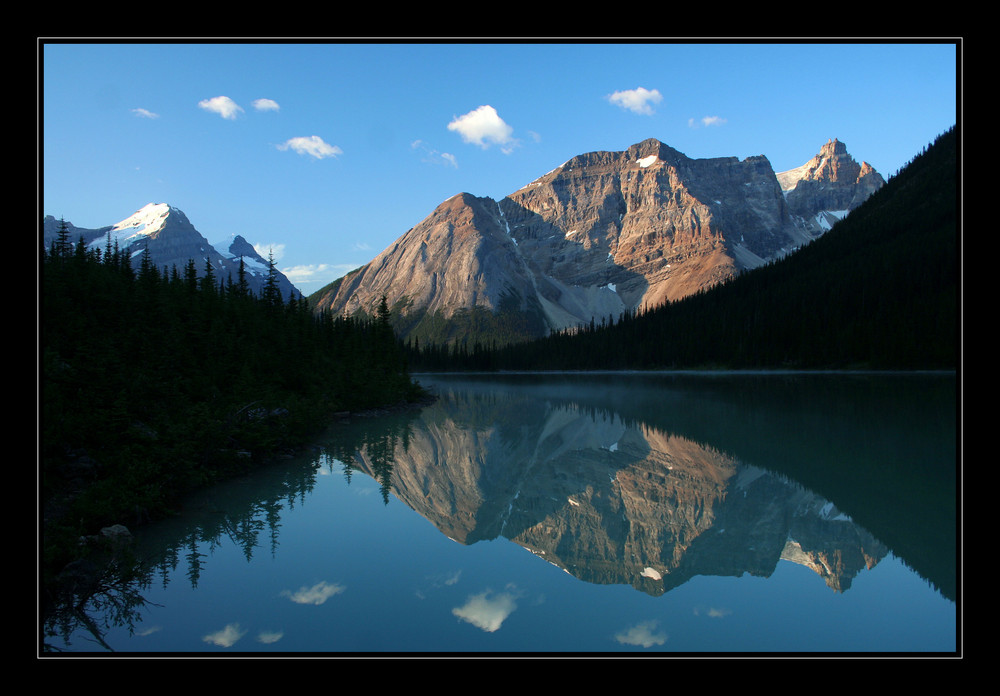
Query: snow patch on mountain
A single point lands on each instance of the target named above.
(145, 222)
(235, 248)
(787, 180)
(828, 218)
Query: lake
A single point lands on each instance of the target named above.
(620, 513)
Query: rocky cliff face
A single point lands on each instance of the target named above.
(458, 257)
(604, 233)
(648, 224)
(827, 187)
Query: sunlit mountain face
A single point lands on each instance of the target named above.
(602, 234)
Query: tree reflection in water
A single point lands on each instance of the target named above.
(106, 589)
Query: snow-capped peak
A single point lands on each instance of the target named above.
(146, 220)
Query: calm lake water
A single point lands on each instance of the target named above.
(613, 513)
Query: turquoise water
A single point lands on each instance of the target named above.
(563, 514)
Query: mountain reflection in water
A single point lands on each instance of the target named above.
(637, 480)
(610, 496)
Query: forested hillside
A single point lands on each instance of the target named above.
(151, 384)
(880, 291)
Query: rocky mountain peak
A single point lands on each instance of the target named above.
(603, 233)
(459, 258)
(833, 148)
(827, 187)
(241, 247)
(832, 164)
(653, 147)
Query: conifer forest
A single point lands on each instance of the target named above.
(153, 382)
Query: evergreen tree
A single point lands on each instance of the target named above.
(271, 293)
(61, 247)
(382, 315)
(147, 272)
(191, 275)
(208, 280)
(242, 286)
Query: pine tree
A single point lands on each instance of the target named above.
(271, 294)
(208, 280)
(382, 314)
(242, 286)
(61, 247)
(191, 275)
(147, 272)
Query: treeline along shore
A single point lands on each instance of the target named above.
(154, 382)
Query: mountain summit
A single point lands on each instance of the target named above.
(828, 186)
(604, 233)
(172, 241)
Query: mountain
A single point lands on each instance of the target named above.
(881, 290)
(827, 187)
(172, 242)
(603, 234)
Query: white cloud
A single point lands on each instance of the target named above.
(269, 637)
(226, 637)
(486, 613)
(315, 595)
(432, 156)
(483, 127)
(145, 113)
(706, 121)
(264, 249)
(224, 106)
(637, 100)
(312, 145)
(323, 273)
(265, 105)
(643, 634)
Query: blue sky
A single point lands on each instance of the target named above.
(329, 152)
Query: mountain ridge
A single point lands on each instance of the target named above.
(172, 241)
(879, 291)
(602, 234)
